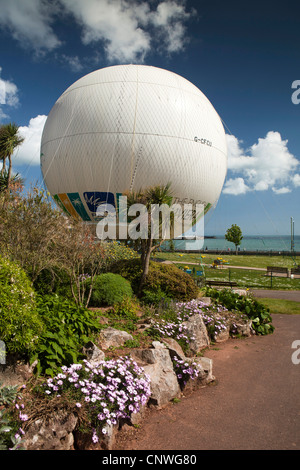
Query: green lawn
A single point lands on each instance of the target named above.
(245, 278)
(286, 307)
(253, 261)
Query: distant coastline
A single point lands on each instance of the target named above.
(254, 243)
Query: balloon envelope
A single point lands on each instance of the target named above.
(128, 127)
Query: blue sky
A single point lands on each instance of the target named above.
(244, 56)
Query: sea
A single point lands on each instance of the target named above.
(249, 243)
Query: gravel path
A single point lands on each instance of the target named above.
(254, 404)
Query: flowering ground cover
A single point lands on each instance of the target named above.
(113, 389)
(216, 319)
(116, 387)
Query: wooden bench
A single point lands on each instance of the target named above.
(277, 270)
(295, 270)
(221, 283)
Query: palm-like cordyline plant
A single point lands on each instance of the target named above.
(10, 139)
(156, 195)
(15, 183)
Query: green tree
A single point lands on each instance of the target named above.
(156, 195)
(10, 139)
(234, 235)
(41, 238)
(15, 184)
(30, 230)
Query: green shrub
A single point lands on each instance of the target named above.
(130, 270)
(256, 311)
(115, 251)
(67, 328)
(126, 309)
(9, 439)
(109, 289)
(155, 298)
(20, 325)
(53, 281)
(163, 281)
(174, 282)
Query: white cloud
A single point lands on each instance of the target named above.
(8, 96)
(29, 152)
(73, 62)
(235, 186)
(282, 190)
(169, 17)
(296, 180)
(268, 164)
(123, 27)
(30, 22)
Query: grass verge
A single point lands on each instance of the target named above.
(285, 307)
(253, 261)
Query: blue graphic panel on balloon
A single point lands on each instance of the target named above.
(78, 206)
(94, 199)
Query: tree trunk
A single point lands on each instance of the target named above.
(9, 170)
(145, 263)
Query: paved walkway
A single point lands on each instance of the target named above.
(255, 403)
(277, 294)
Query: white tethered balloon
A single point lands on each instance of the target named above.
(129, 127)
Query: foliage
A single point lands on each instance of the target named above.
(10, 139)
(8, 394)
(127, 309)
(10, 431)
(53, 281)
(20, 325)
(111, 390)
(109, 289)
(15, 183)
(115, 251)
(166, 281)
(175, 283)
(41, 238)
(155, 298)
(151, 197)
(234, 235)
(30, 230)
(184, 370)
(170, 321)
(67, 328)
(10, 439)
(130, 270)
(170, 325)
(82, 257)
(255, 310)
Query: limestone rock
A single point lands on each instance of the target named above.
(206, 365)
(203, 365)
(56, 434)
(196, 329)
(113, 337)
(93, 353)
(243, 328)
(205, 300)
(174, 348)
(158, 365)
(106, 441)
(222, 335)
